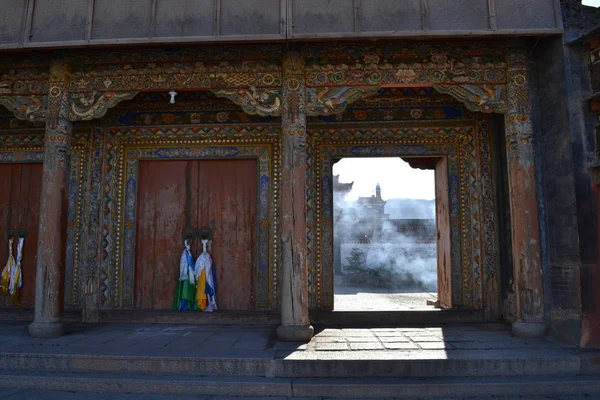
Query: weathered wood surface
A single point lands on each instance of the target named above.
(295, 320)
(19, 209)
(173, 195)
(49, 285)
(442, 218)
(526, 248)
(41, 23)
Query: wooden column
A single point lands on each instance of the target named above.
(295, 321)
(49, 297)
(529, 289)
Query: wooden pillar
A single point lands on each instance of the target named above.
(295, 321)
(49, 296)
(529, 289)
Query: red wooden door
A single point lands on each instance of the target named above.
(221, 194)
(20, 189)
(442, 208)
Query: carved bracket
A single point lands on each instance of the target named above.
(254, 101)
(320, 101)
(27, 108)
(328, 101)
(478, 98)
(89, 106)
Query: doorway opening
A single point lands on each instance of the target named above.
(386, 236)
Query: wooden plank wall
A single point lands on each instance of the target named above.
(20, 190)
(173, 195)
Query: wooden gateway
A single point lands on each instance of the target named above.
(113, 153)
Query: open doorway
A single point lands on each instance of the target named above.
(385, 234)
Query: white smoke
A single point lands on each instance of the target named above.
(397, 254)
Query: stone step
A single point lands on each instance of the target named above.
(311, 364)
(291, 388)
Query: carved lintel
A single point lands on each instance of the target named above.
(329, 101)
(89, 106)
(27, 108)
(254, 101)
(478, 98)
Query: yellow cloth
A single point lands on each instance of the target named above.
(201, 297)
(8, 270)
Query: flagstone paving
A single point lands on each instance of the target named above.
(260, 341)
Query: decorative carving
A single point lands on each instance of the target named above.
(255, 101)
(360, 64)
(319, 101)
(88, 106)
(476, 98)
(294, 97)
(328, 101)
(28, 108)
(114, 218)
(471, 201)
(529, 287)
(518, 118)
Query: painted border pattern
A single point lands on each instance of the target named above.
(22, 151)
(470, 183)
(124, 148)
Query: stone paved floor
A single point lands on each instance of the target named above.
(352, 299)
(260, 341)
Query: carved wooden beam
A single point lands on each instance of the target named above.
(478, 98)
(89, 106)
(320, 101)
(28, 108)
(329, 101)
(254, 101)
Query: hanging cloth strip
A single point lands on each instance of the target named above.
(206, 289)
(185, 292)
(16, 277)
(8, 269)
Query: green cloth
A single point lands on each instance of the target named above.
(185, 296)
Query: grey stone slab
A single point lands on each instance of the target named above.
(330, 332)
(290, 346)
(425, 339)
(362, 339)
(366, 346)
(251, 344)
(516, 388)
(328, 339)
(357, 332)
(389, 333)
(435, 345)
(401, 346)
(394, 339)
(331, 346)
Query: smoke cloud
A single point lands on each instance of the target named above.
(392, 248)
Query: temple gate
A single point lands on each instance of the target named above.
(287, 113)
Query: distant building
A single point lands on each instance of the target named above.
(364, 226)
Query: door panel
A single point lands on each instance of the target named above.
(20, 190)
(160, 223)
(228, 205)
(173, 195)
(442, 208)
